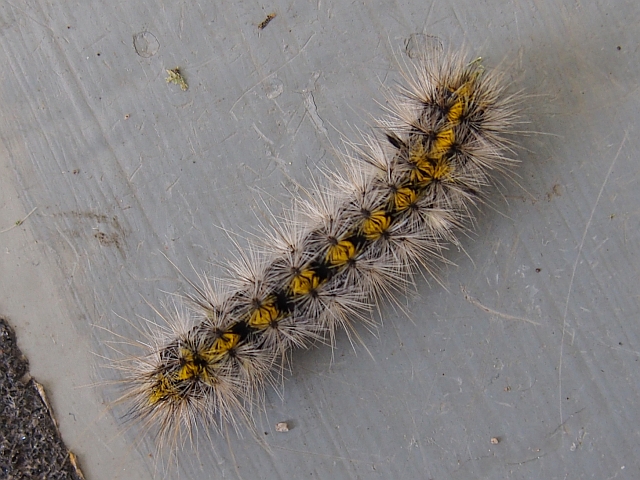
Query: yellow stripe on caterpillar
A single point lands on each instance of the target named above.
(341, 253)
(441, 145)
(463, 96)
(443, 142)
(264, 314)
(442, 169)
(162, 390)
(456, 111)
(430, 170)
(192, 369)
(417, 153)
(375, 225)
(221, 345)
(194, 365)
(304, 282)
(404, 198)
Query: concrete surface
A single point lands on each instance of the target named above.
(536, 342)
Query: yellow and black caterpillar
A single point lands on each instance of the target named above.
(403, 196)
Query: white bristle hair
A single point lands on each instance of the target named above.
(405, 194)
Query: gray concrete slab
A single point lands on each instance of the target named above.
(535, 343)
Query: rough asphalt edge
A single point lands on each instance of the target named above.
(30, 443)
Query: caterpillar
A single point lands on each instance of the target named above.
(405, 192)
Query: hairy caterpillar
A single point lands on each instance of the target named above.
(362, 237)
